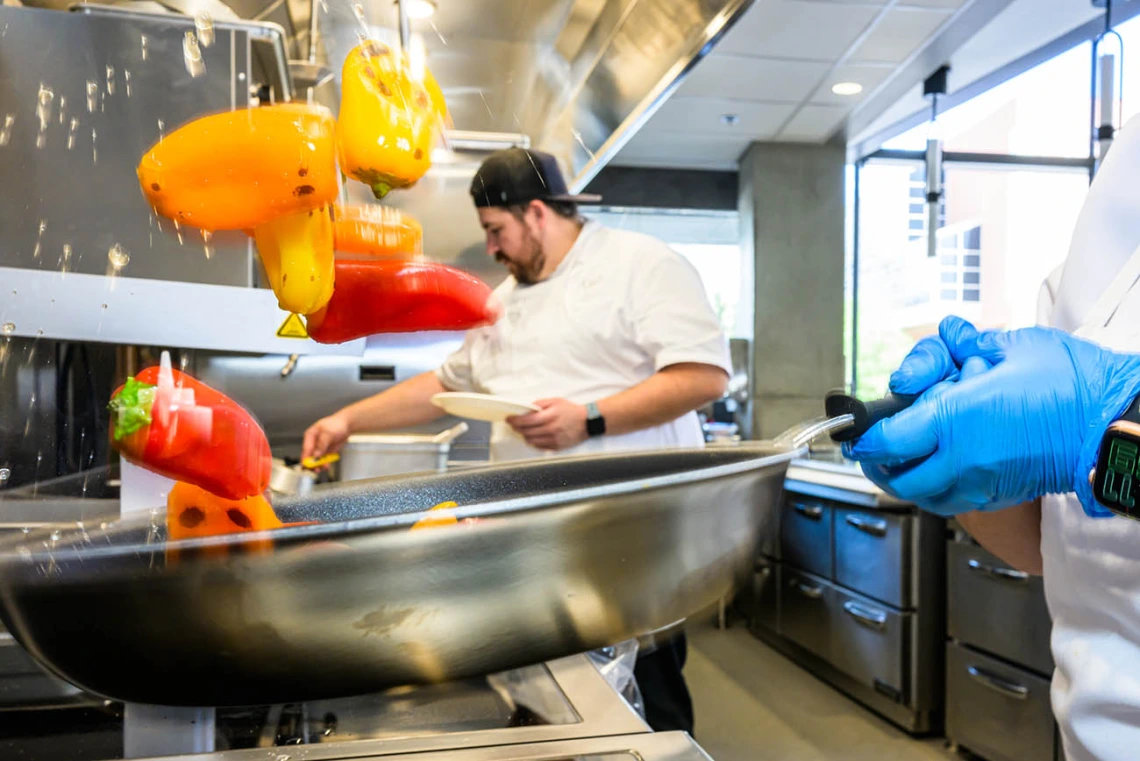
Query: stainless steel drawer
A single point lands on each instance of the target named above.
(805, 535)
(997, 711)
(996, 609)
(869, 642)
(806, 603)
(873, 554)
(766, 595)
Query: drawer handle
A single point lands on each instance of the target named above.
(867, 526)
(996, 572)
(997, 684)
(873, 619)
(807, 590)
(814, 512)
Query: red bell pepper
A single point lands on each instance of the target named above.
(167, 422)
(394, 296)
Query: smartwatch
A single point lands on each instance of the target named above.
(1116, 478)
(595, 423)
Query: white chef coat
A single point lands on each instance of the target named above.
(1092, 565)
(618, 308)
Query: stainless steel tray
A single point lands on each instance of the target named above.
(568, 555)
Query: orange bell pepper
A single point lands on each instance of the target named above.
(373, 231)
(270, 171)
(240, 169)
(388, 120)
(193, 512)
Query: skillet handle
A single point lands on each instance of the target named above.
(866, 414)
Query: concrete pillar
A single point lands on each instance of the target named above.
(792, 223)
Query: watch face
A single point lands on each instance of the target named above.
(1117, 481)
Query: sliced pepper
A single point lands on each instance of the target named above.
(433, 522)
(372, 230)
(297, 253)
(193, 512)
(269, 170)
(392, 296)
(240, 169)
(169, 423)
(388, 119)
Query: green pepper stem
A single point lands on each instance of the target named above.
(132, 407)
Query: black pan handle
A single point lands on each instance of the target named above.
(866, 414)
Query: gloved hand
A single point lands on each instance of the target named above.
(1005, 418)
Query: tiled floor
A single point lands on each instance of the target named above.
(752, 704)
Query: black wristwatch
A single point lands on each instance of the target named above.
(1116, 478)
(595, 423)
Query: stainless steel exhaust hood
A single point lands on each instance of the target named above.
(578, 77)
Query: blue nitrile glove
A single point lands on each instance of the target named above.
(984, 437)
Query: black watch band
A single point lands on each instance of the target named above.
(595, 423)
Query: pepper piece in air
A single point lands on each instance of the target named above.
(388, 119)
(392, 296)
(240, 169)
(371, 230)
(193, 512)
(297, 253)
(449, 520)
(169, 423)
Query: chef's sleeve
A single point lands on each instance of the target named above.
(672, 319)
(455, 372)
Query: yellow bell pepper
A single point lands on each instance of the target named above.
(434, 522)
(388, 120)
(297, 253)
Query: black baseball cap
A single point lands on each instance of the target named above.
(518, 176)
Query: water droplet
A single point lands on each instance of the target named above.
(43, 226)
(142, 40)
(118, 256)
(40, 332)
(192, 55)
(437, 32)
(94, 153)
(161, 130)
(324, 6)
(103, 306)
(178, 230)
(56, 535)
(92, 95)
(43, 112)
(581, 142)
(65, 258)
(6, 130)
(8, 328)
(62, 108)
(204, 25)
(5, 474)
(127, 81)
(71, 133)
(110, 80)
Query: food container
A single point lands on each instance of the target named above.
(370, 455)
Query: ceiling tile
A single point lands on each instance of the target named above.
(796, 29)
(681, 149)
(868, 76)
(743, 78)
(757, 121)
(815, 123)
(899, 34)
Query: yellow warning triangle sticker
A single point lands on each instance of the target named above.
(292, 328)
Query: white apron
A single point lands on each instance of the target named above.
(1092, 583)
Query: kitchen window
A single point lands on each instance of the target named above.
(1003, 230)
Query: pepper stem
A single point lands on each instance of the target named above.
(132, 407)
(381, 189)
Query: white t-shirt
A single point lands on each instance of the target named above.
(1092, 565)
(620, 307)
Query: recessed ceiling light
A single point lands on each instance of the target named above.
(847, 88)
(729, 120)
(419, 9)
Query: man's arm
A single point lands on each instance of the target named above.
(1013, 534)
(407, 403)
(666, 395)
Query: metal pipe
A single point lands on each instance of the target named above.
(405, 26)
(313, 6)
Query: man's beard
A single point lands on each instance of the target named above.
(526, 272)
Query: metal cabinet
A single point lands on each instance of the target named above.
(996, 710)
(805, 535)
(872, 554)
(997, 609)
(859, 596)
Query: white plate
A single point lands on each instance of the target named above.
(493, 409)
